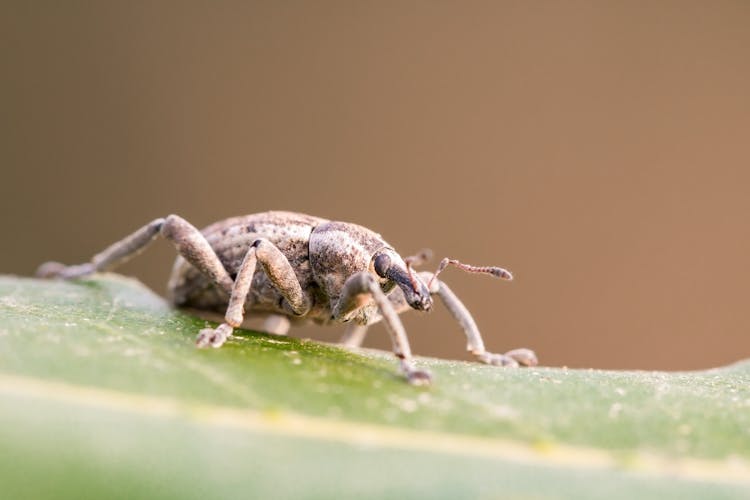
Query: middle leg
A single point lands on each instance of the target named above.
(279, 272)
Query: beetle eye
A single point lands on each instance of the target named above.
(381, 264)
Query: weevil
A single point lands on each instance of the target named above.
(293, 266)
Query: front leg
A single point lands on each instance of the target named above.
(474, 343)
(355, 333)
(358, 290)
(279, 272)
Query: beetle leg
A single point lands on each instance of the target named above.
(419, 258)
(113, 255)
(188, 241)
(194, 248)
(276, 324)
(280, 273)
(358, 289)
(474, 343)
(355, 333)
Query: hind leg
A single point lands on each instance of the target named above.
(188, 241)
(115, 254)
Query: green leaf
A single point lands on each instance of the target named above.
(103, 395)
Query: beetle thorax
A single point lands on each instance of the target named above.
(340, 249)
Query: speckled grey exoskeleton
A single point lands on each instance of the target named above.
(310, 269)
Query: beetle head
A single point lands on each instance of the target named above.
(391, 267)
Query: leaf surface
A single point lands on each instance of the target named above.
(103, 394)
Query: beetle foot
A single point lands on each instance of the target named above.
(514, 358)
(61, 271)
(419, 377)
(49, 270)
(524, 357)
(213, 337)
(497, 359)
(415, 376)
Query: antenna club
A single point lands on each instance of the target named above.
(501, 273)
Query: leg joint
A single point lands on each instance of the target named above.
(171, 226)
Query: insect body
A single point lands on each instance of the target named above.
(294, 266)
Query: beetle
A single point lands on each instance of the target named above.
(293, 266)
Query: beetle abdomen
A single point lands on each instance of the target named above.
(231, 238)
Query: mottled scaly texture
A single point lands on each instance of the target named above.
(322, 253)
(338, 250)
(230, 239)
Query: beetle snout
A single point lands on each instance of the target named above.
(416, 293)
(418, 297)
(421, 302)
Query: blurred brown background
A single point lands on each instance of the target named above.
(599, 150)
